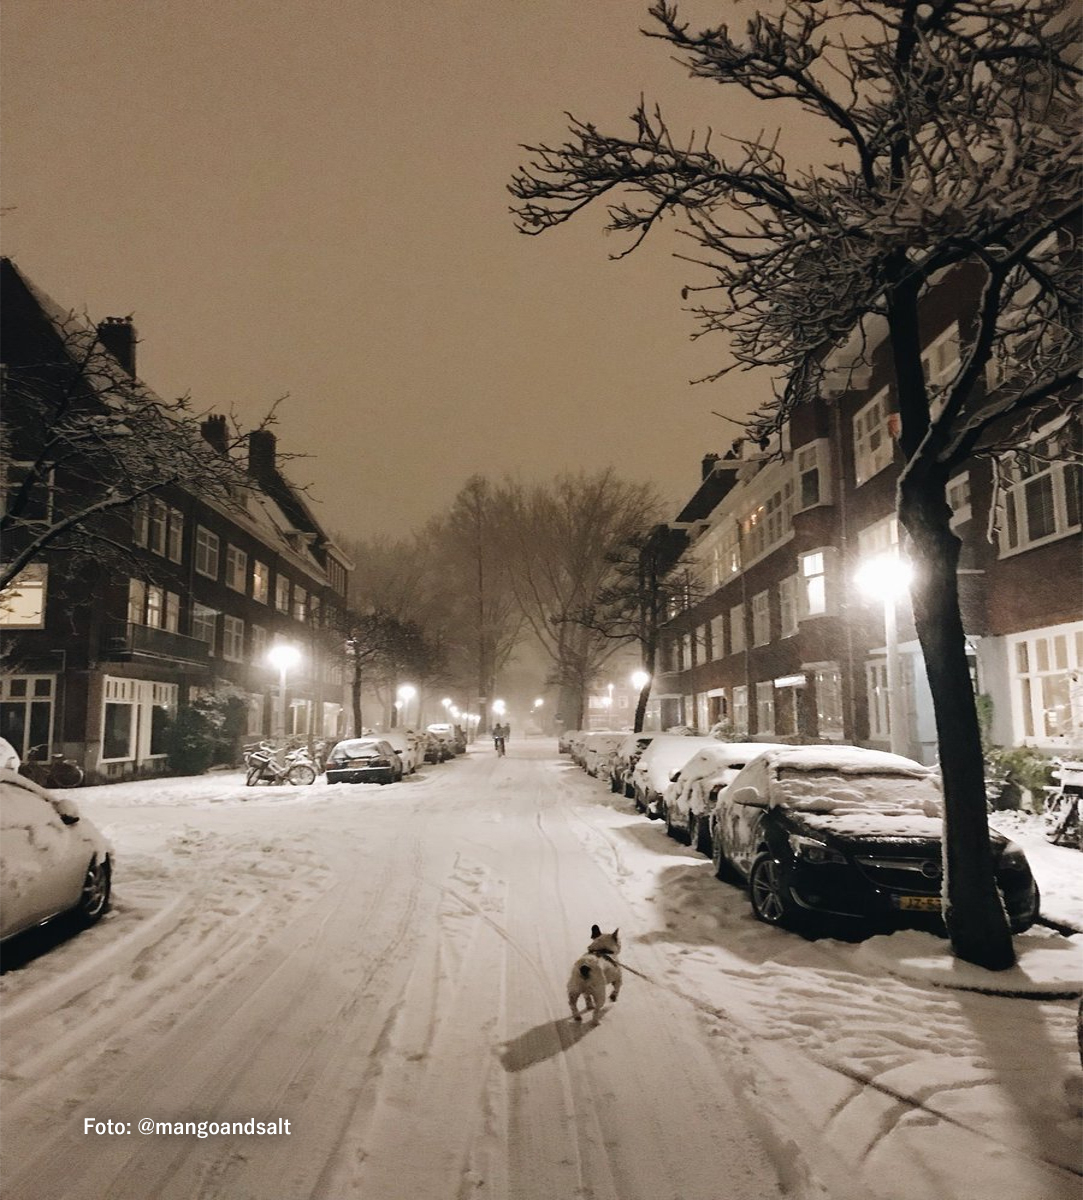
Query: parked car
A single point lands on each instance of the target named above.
(819, 831)
(624, 761)
(364, 760)
(53, 860)
(688, 801)
(447, 734)
(437, 749)
(597, 752)
(407, 746)
(564, 740)
(659, 762)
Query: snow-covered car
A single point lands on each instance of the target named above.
(658, 764)
(575, 746)
(364, 760)
(564, 740)
(837, 831)
(437, 749)
(624, 761)
(52, 859)
(407, 746)
(449, 734)
(688, 801)
(598, 750)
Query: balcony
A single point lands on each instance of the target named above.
(121, 640)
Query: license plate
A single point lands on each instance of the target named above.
(920, 903)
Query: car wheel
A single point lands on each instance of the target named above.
(695, 838)
(253, 775)
(94, 898)
(671, 829)
(301, 774)
(721, 863)
(767, 892)
(614, 784)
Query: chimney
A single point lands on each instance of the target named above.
(709, 461)
(261, 455)
(215, 433)
(117, 335)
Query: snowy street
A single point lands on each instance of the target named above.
(385, 968)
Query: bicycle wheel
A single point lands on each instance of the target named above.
(66, 774)
(253, 775)
(301, 773)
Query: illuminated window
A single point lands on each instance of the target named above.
(873, 448)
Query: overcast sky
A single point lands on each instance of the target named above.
(309, 197)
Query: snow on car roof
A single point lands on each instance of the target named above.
(846, 760)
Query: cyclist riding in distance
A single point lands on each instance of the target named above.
(500, 733)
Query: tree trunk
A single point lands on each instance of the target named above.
(355, 700)
(973, 911)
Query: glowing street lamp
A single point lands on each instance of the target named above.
(640, 679)
(499, 708)
(282, 656)
(406, 693)
(885, 578)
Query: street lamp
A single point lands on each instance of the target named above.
(885, 578)
(499, 708)
(640, 679)
(406, 693)
(282, 656)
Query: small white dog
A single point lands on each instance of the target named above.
(594, 972)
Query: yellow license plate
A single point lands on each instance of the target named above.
(921, 903)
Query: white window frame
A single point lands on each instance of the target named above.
(812, 470)
(816, 571)
(282, 593)
(207, 556)
(232, 638)
(236, 569)
(958, 493)
(765, 706)
(940, 366)
(737, 629)
(174, 538)
(827, 679)
(739, 712)
(1046, 668)
(873, 447)
(1062, 480)
(761, 618)
(206, 619)
(261, 581)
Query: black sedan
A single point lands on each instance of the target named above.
(836, 831)
(364, 760)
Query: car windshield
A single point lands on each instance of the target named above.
(828, 791)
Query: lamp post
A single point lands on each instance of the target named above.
(282, 656)
(885, 578)
(406, 693)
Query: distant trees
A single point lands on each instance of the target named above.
(557, 542)
(955, 164)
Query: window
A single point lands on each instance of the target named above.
(768, 524)
(300, 602)
(117, 729)
(206, 552)
(1048, 683)
(156, 526)
(828, 682)
(876, 685)
(740, 709)
(940, 365)
(765, 707)
(737, 629)
(172, 612)
(26, 711)
(1042, 502)
(813, 476)
(135, 718)
(873, 449)
(175, 536)
(155, 606)
(233, 639)
(959, 498)
(787, 606)
(761, 618)
(259, 644)
(815, 597)
(137, 601)
(22, 602)
(236, 569)
(204, 622)
(140, 520)
(282, 594)
(718, 636)
(261, 576)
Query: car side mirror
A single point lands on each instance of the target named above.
(69, 818)
(749, 796)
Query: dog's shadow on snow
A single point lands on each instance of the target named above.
(542, 1042)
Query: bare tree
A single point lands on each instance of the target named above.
(956, 163)
(484, 619)
(83, 440)
(555, 540)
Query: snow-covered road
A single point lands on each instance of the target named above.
(385, 968)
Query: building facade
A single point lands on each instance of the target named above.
(99, 656)
(777, 639)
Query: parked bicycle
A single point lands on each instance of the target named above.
(267, 764)
(1063, 821)
(51, 770)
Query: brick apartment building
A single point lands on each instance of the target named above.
(778, 640)
(97, 656)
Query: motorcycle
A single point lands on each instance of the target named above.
(266, 764)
